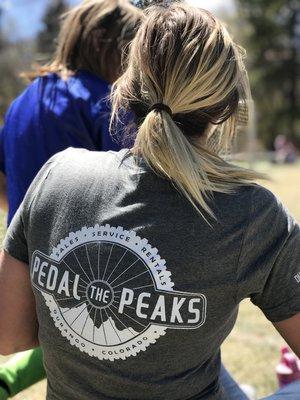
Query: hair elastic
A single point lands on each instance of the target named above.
(161, 107)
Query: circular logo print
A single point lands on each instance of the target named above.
(110, 294)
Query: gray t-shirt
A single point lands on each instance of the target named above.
(135, 291)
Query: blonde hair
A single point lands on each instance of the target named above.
(184, 57)
(93, 36)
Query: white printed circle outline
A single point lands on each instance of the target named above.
(162, 280)
(110, 288)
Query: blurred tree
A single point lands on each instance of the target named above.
(14, 57)
(2, 40)
(51, 21)
(17, 56)
(273, 40)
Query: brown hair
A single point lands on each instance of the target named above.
(184, 57)
(93, 36)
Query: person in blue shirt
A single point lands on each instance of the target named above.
(64, 105)
(49, 116)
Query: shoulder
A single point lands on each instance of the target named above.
(268, 213)
(239, 204)
(71, 172)
(254, 196)
(83, 155)
(53, 96)
(82, 161)
(29, 99)
(250, 205)
(81, 93)
(39, 84)
(21, 115)
(255, 199)
(26, 97)
(86, 86)
(263, 197)
(266, 204)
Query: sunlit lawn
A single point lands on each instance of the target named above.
(252, 350)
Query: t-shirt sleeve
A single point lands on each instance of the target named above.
(269, 264)
(15, 241)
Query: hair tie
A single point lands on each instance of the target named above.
(161, 107)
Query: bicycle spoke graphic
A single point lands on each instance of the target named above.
(80, 279)
(130, 279)
(89, 262)
(108, 260)
(81, 266)
(123, 272)
(117, 265)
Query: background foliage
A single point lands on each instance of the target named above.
(272, 37)
(18, 56)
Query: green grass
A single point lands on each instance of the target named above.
(251, 351)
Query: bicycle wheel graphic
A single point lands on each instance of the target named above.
(100, 281)
(105, 269)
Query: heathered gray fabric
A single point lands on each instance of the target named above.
(135, 292)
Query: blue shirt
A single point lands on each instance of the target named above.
(49, 116)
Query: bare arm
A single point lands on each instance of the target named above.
(289, 329)
(3, 198)
(18, 321)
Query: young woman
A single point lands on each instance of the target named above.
(65, 105)
(128, 267)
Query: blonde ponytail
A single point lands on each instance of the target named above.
(184, 58)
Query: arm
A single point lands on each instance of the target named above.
(289, 329)
(3, 198)
(18, 321)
